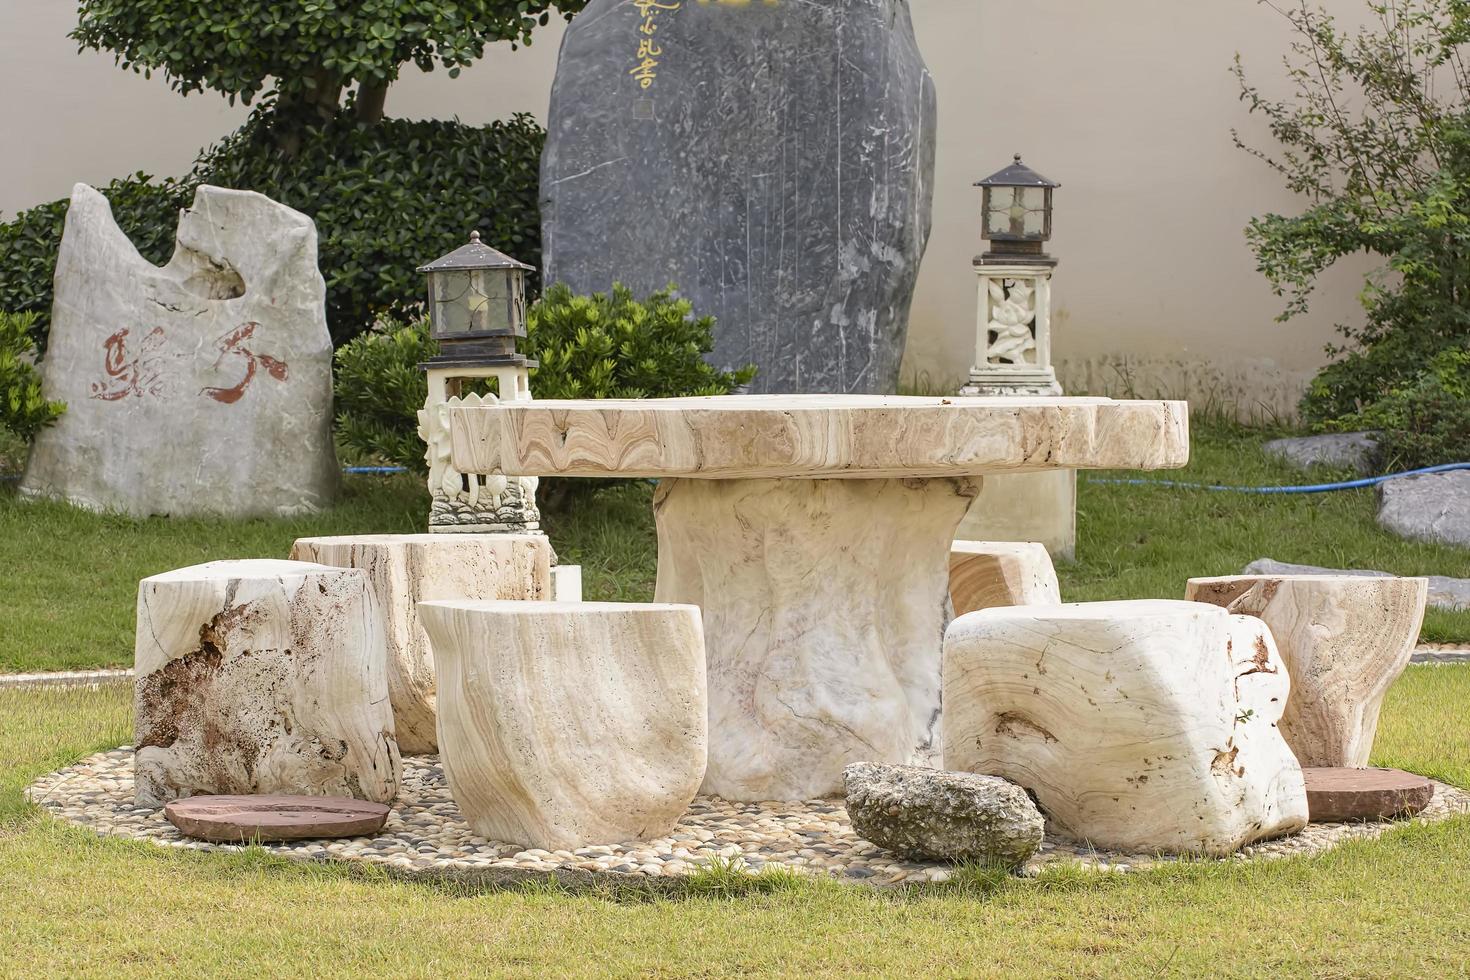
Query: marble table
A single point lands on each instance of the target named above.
(814, 531)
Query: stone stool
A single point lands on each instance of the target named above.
(983, 574)
(261, 677)
(1345, 640)
(407, 568)
(567, 724)
(1145, 726)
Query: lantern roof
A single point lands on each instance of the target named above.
(475, 255)
(1016, 175)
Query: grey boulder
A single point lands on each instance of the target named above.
(201, 387)
(775, 161)
(1345, 450)
(931, 815)
(1432, 507)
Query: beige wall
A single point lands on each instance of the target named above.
(1129, 104)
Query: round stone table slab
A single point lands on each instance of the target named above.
(814, 532)
(243, 819)
(1335, 795)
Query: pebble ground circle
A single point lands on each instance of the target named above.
(426, 836)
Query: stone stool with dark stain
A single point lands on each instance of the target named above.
(261, 677)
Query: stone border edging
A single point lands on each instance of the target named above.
(65, 678)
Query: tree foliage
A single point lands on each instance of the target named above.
(307, 51)
(1375, 133)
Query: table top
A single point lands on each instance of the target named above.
(816, 436)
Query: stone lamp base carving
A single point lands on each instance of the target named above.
(468, 503)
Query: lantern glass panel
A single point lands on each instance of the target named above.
(1016, 213)
(452, 300)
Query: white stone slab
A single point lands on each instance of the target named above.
(202, 387)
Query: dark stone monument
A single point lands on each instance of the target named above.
(774, 159)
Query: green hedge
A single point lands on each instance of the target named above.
(385, 198)
(146, 210)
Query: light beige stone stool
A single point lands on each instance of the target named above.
(261, 677)
(1145, 726)
(983, 574)
(407, 568)
(567, 724)
(1345, 640)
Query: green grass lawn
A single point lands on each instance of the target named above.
(75, 905)
(68, 579)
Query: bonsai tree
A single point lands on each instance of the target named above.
(308, 51)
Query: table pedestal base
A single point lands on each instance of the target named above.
(825, 603)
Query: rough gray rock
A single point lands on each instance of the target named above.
(202, 387)
(1432, 507)
(776, 161)
(1348, 450)
(927, 814)
(1444, 592)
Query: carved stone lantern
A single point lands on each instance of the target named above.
(477, 309)
(1013, 332)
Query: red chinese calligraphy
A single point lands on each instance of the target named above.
(137, 375)
(232, 345)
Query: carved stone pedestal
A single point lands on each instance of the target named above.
(470, 503)
(1013, 333)
(823, 611)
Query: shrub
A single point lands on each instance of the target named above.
(608, 345)
(385, 199)
(307, 51)
(379, 390)
(23, 411)
(1426, 422)
(146, 210)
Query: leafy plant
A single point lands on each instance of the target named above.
(1376, 135)
(307, 51)
(1427, 422)
(379, 390)
(23, 409)
(608, 345)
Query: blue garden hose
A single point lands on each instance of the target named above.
(1371, 481)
